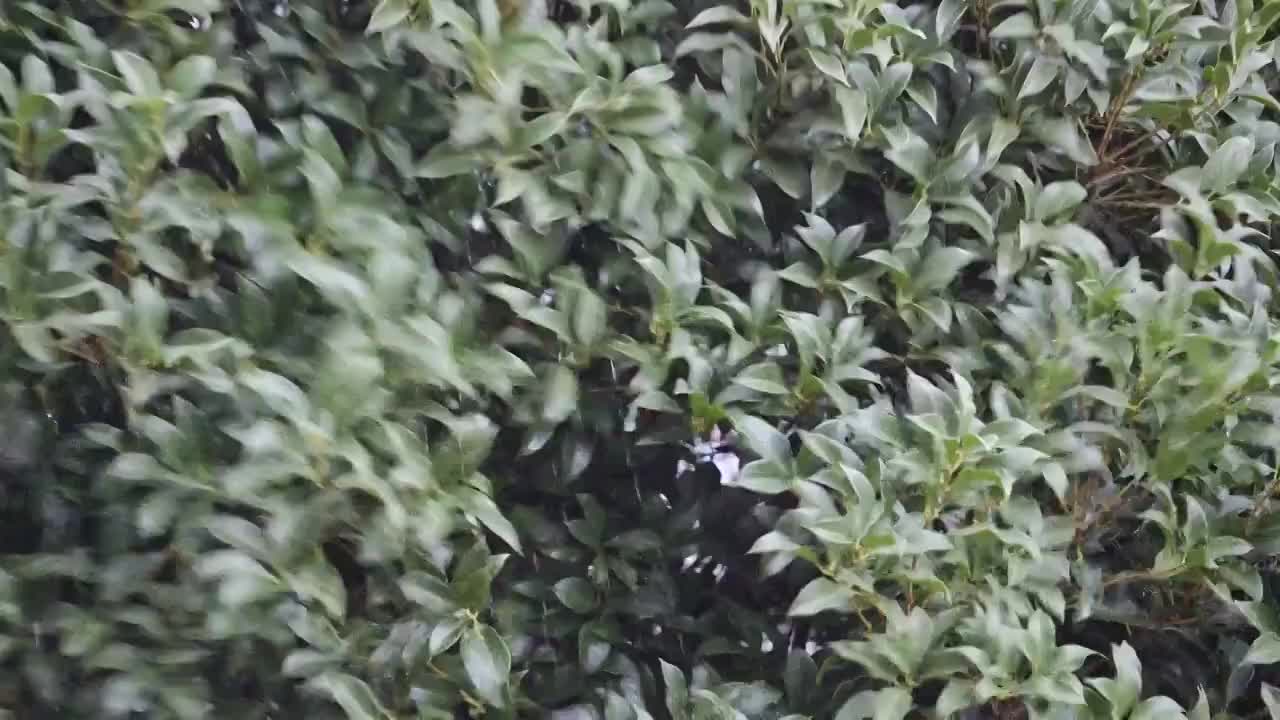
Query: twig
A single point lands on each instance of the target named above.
(1255, 514)
(1136, 204)
(1135, 143)
(865, 622)
(1120, 195)
(1117, 107)
(1168, 136)
(1141, 575)
(1117, 174)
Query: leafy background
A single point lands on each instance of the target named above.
(630, 360)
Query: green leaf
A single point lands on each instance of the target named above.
(853, 111)
(8, 89)
(489, 514)
(1265, 650)
(1157, 708)
(355, 698)
(925, 95)
(911, 153)
(956, 696)
(825, 180)
(487, 662)
(431, 593)
(593, 651)
(1056, 478)
(948, 18)
(829, 65)
(1042, 72)
(139, 76)
(561, 395)
(445, 635)
(676, 691)
(444, 161)
(387, 15)
(577, 594)
(859, 707)
(705, 42)
(1015, 27)
(321, 178)
(1271, 699)
(1122, 692)
(318, 580)
(764, 439)
(787, 175)
(821, 595)
(765, 477)
(892, 703)
(1057, 198)
(1064, 136)
(192, 74)
(590, 318)
(1227, 164)
(941, 267)
(718, 15)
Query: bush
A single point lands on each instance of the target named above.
(632, 360)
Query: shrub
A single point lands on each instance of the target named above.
(632, 360)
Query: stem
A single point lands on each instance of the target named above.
(466, 697)
(1263, 501)
(1140, 575)
(865, 622)
(1168, 136)
(933, 500)
(1145, 205)
(1085, 524)
(1117, 174)
(982, 9)
(1117, 106)
(1141, 139)
(25, 161)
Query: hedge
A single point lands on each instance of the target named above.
(639, 359)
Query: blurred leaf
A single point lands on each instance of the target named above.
(819, 595)
(488, 663)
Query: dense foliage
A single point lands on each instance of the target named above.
(639, 359)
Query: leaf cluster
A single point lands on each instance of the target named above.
(639, 359)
